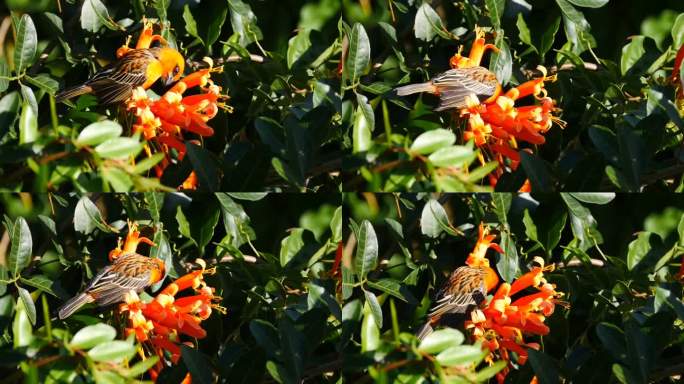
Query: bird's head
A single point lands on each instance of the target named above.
(159, 272)
(172, 64)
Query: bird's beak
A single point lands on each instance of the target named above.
(168, 80)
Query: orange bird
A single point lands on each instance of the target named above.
(454, 85)
(466, 287)
(137, 68)
(129, 272)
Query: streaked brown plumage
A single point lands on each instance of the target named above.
(466, 288)
(128, 272)
(454, 85)
(137, 68)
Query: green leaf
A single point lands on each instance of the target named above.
(22, 247)
(375, 308)
(537, 171)
(92, 335)
(431, 216)
(249, 196)
(501, 63)
(297, 46)
(366, 257)
(548, 37)
(44, 284)
(141, 367)
(431, 141)
(87, 217)
(197, 364)
(190, 23)
(336, 226)
(147, 163)
(362, 132)
(26, 43)
(4, 72)
(487, 373)
(678, 32)
(458, 155)
(530, 228)
(370, 333)
(28, 124)
(22, 331)
(358, 56)
(98, 132)
(440, 340)
(632, 149)
(544, 367)
(94, 15)
(394, 288)
(524, 32)
(496, 11)
(29, 305)
(639, 248)
(44, 82)
(461, 355)
(291, 245)
(119, 148)
(589, 3)
(600, 198)
(613, 340)
(367, 110)
(244, 22)
(427, 24)
(631, 53)
(112, 351)
(507, 264)
(204, 166)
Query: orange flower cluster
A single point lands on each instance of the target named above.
(163, 120)
(496, 124)
(160, 322)
(502, 323)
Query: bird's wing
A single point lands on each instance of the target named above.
(455, 84)
(116, 83)
(114, 281)
(464, 288)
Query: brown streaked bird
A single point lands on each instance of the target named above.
(454, 85)
(129, 272)
(137, 68)
(465, 289)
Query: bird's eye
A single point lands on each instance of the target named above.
(175, 70)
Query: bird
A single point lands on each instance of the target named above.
(128, 272)
(138, 67)
(454, 85)
(465, 289)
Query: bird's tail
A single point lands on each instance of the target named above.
(73, 92)
(73, 305)
(416, 88)
(424, 331)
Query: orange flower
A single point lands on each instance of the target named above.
(497, 124)
(161, 322)
(502, 324)
(477, 258)
(133, 239)
(162, 121)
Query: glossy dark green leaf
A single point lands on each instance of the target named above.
(545, 368)
(26, 43)
(112, 351)
(589, 3)
(440, 340)
(366, 257)
(29, 305)
(197, 364)
(358, 57)
(244, 22)
(204, 166)
(427, 24)
(92, 335)
(21, 247)
(394, 288)
(537, 171)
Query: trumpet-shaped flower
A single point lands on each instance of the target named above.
(497, 124)
(503, 322)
